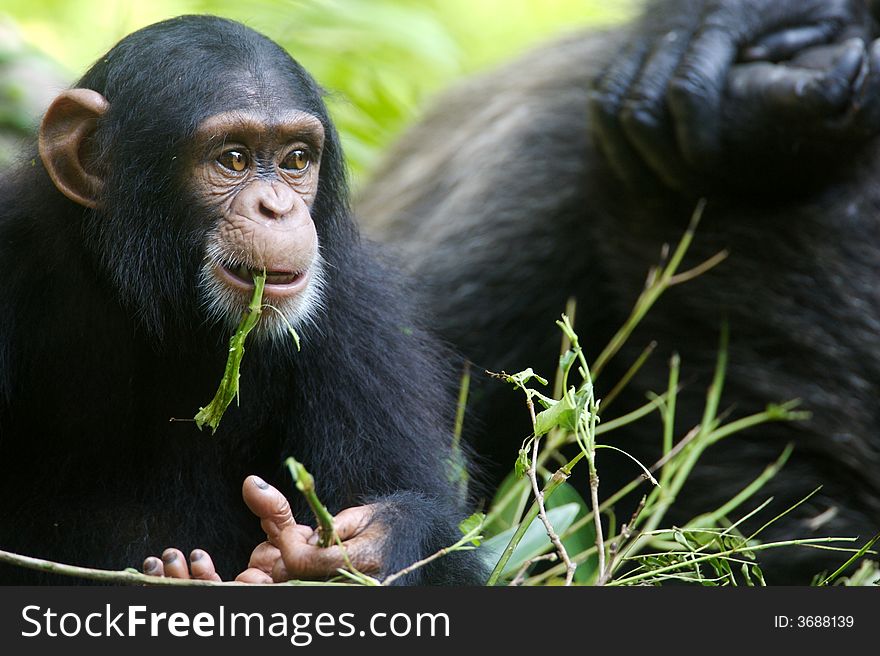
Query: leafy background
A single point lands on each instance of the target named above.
(380, 59)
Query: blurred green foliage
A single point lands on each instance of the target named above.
(379, 59)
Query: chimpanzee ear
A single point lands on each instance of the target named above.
(64, 133)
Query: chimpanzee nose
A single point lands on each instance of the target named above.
(275, 201)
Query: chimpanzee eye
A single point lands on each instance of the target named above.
(297, 160)
(234, 160)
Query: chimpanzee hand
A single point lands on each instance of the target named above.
(658, 110)
(291, 550)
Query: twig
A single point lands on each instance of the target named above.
(461, 545)
(588, 448)
(129, 576)
(521, 574)
(597, 515)
(532, 472)
(700, 269)
(616, 544)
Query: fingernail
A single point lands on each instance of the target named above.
(260, 483)
(169, 557)
(196, 555)
(151, 565)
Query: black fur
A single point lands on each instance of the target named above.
(503, 206)
(102, 340)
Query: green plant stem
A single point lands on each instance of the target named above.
(463, 391)
(570, 567)
(650, 295)
(608, 399)
(461, 545)
(713, 518)
(565, 344)
(858, 554)
(305, 483)
(669, 414)
(212, 413)
(126, 576)
(676, 480)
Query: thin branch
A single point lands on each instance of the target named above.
(700, 269)
(461, 545)
(129, 576)
(521, 574)
(614, 551)
(570, 567)
(632, 371)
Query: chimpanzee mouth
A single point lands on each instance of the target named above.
(279, 282)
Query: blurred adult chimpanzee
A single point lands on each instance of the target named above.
(193, 154)
(564, 173)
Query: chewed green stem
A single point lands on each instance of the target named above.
(228, 390)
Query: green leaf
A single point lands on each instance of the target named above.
(504, 517)
(522, 463)
(566, 360)
(472, 523)
(562, 414)
(682, 539)
(521, 378)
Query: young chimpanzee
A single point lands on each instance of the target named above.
(192, 155)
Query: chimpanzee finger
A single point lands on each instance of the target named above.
(352, 521)
(645, 115)
(175, 564)
(201, 566)
(269, 505)
(306, 561)
(695, 94)
(280, 574)
(348, 523)
(153, 566)
(770, 92)
(253, 575)
(264, 557)
(604, 105)
(301, 560)
(784, 44)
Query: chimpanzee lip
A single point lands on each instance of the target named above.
(279, 282)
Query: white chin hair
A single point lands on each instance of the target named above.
(225, 305)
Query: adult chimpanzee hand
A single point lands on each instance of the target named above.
(662, 107)
(291, 550)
